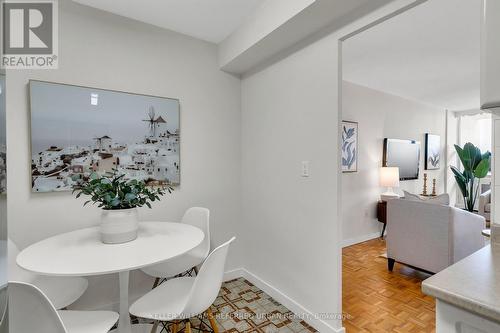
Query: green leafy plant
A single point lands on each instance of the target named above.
(112, 192)
(475, 166)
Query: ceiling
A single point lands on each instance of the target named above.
(210, 20)
(430, 53)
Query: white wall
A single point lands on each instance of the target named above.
(292, 225)
(381, 115)
(495, 193)
(289, 221)
(107, 51)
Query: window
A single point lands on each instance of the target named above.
(476, 129)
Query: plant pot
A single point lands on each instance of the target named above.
(119, 226)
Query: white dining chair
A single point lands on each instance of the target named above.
(179, 299)
(62, 291)
(200, 218)
(31, 311)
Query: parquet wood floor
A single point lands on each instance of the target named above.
(376, 300)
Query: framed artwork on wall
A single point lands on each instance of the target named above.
(432, 152)
(77, 131)
(349, 146)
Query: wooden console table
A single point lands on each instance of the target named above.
(382, 215)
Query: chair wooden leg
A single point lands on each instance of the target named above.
(155, 327)
(188, 326)
(157, 280)
(211, 318)
(175, 327)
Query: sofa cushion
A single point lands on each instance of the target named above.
(411, 196)
(442, 199)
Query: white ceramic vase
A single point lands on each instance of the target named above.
(119, 226)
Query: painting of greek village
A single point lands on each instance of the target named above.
(77, 131)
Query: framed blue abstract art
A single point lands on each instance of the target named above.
(349, 146)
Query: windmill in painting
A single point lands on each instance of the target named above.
(154, 122)
(73, 137)
(349, 146)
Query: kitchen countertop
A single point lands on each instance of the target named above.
(472, 284)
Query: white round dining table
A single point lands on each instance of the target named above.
(81, 253)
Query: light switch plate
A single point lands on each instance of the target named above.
(305, 169)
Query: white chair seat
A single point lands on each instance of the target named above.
(62, 292)
(182, 298)
(88, 321)
(166, 302)
(31, 311)
(176, 265)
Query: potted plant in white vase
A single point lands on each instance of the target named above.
(119, 200)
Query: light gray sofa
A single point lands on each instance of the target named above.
(430, 236)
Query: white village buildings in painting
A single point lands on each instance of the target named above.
(154, 160)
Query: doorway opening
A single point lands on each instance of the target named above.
(410, 93)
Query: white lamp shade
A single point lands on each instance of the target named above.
(389, 177)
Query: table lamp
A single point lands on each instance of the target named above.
(389, 177)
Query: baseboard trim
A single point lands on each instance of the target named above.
(234, 274)
(289, 303)
(360, 239)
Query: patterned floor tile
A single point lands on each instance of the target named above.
(242, 307)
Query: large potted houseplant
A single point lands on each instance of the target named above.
(476, 166)
(119, 199)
